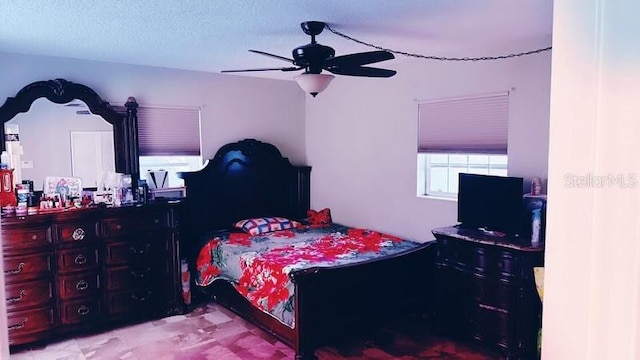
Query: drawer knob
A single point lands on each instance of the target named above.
(141, 274)
(137, 251)
(156, 221)
(16, 271)
(17, 298)
(83, 310)
(82, 285)
(34, 237)
(119, 227)
(78, 234)
(18, 326)
(141, 298)
(80, 259)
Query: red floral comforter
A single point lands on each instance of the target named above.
(259, 266)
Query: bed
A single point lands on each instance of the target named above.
(251, 179)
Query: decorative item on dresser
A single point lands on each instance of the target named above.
(486, 290)
(80, 269)
(251, 179)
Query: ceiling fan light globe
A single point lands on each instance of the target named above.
(313, 83)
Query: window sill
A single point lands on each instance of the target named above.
(436, 197)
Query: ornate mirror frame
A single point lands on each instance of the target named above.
(60, 91)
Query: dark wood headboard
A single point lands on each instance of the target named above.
(248, 178)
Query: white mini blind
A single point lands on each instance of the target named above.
(168, 131)
(472, 124)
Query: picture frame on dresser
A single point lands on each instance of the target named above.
(72, 270)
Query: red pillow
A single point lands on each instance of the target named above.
(319, 218)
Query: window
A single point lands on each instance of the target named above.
(464, 134)
(440, 171)
(169, 139)
(172, 164)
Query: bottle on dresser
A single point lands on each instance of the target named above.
(536, 203)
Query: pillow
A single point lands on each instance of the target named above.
(256, 226)
(319, 218)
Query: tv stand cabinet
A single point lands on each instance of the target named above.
(485, 290)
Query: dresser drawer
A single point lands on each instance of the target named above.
(134, 302)
(133, 276)
(78, 285)
(81, 311)
(493, 326)
(496, 262)
(20, 268)
(154, 249)
(136, 222)
(22, 323)
(457, 254)
(80, 232)
(28, 294)
(77, 259)
(33, 236)
(494, 292)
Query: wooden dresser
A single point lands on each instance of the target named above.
(80, 269)
(486, 290)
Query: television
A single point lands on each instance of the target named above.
(491, 203)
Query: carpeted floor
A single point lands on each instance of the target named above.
(211, 332)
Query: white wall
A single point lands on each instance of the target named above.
(361, 138)
(592, 260)
(232, 107)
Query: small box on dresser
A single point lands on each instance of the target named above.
(485, 290)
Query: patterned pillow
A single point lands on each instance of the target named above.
(263, 225)
(319, 218)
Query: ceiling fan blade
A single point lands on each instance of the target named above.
(357, 59)
(263, 69)
(362, 71)
(271, 55)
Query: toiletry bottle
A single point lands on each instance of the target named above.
(5, 159)
(536, 222)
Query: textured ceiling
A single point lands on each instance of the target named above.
(212, 35)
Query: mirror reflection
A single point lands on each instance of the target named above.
(63, 140)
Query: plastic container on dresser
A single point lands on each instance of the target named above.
(485, 290)
(72, 270)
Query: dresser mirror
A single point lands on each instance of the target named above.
(65, 129)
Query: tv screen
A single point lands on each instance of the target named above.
(493, 203)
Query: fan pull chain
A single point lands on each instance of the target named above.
(440, 58)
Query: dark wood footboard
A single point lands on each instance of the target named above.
(331, 303)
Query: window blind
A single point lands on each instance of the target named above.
(168, 131)
(472, 124)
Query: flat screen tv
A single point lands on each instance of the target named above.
(492, 203)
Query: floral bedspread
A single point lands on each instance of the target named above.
(259, 266)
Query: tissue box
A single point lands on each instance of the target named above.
(157, 179)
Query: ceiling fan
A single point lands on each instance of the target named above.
(314, 58)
